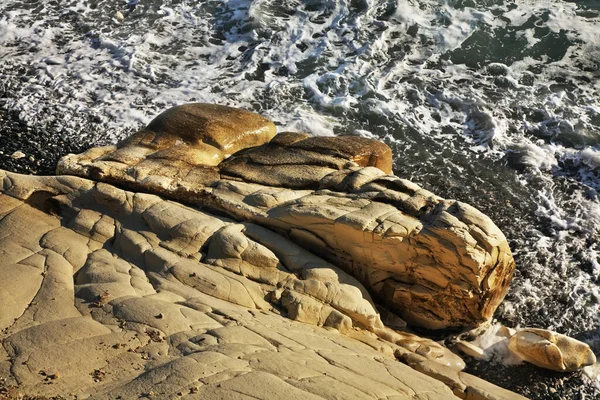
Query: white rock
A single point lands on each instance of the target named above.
(17, 155)
(471, 350)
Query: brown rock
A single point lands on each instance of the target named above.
(183, 144)
(163, 315)
(437, 263)
(164, 298)
(299, 161)
(551, 350)
(470, 349)
(463, 385)
(200, 134)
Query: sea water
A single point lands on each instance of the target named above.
(495, 103)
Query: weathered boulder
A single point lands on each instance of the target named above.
(110, 293)
(551, 350)
(263, 285)
(438, 263)
(193, 135)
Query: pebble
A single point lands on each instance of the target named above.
(471, 350)
(17, 155)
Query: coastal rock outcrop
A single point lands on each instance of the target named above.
(207, 258)
(438, 263)
(111, 294)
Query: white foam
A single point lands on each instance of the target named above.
(494, 344)
(590, 157)
(593, 372)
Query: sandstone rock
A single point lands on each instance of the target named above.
(548, 349)
(426, 348)
(437, 263)
(300, 162)
(197, 134)
(470, 349)
(167, 300)
(183, 143)
(303, 308)
(463, 385)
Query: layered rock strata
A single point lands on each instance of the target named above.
(112, 294)
(438, 263)
(250, 285)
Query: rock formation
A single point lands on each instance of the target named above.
(438, 263)
(206, 258)
(551, 350)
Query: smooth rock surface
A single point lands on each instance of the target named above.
(551, 350)
(463, 385)
(438, 263)
(115, 294)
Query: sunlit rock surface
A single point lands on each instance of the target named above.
(264, 291)
(551, 350)
(109, 293)
(438, 263)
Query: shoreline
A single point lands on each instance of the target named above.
(547, 384)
